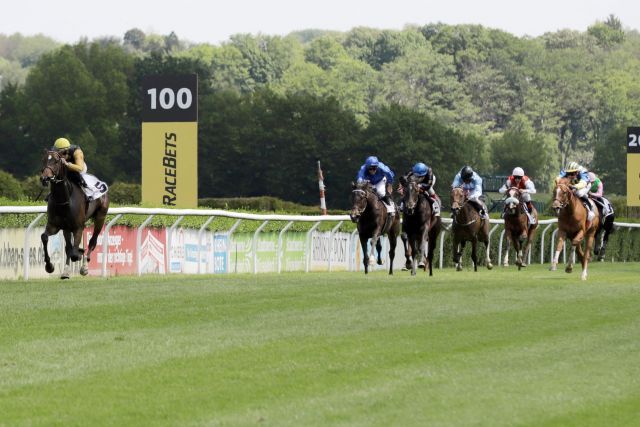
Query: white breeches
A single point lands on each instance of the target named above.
(381, 187)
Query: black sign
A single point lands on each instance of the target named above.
(170, 98)
(633, 140)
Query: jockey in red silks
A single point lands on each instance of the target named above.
(526, 186)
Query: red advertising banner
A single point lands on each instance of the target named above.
(121, 253)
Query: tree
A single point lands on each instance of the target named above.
(520, 146)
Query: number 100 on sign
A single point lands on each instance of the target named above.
(633, 166)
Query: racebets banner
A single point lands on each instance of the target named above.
(170, 141)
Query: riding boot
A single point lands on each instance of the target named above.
(529, 206)
(587, 205)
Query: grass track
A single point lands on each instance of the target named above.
(490, 348)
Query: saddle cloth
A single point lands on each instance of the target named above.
(93, 188)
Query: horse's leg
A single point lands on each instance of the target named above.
(365, 253)
(407, 251)
(572, 259)
(559, 245)
(457, 253)
(487, 246)
(586, 255)
(393, 242)
(608, 228)
(379, 249)
(68, 250)
(474, 254)
(415, 252)
(505, 260)
(49, 230)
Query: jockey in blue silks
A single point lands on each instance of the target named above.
(379, 175)
(471, 183)
(580, 183)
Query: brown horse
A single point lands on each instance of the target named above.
(373, 222)
(572, 224)
(68, 210)
(420, 227)
(517, 227)
(467, 226)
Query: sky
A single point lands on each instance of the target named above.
(212, 21)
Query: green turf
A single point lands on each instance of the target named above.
(490, 348)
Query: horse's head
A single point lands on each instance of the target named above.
(359, 199)
(458, 198)
(52, 167)
(411, 195)
(562, 194)
(513, 200)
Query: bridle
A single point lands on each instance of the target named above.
(57, 177)
(354, 209)
(562, 188)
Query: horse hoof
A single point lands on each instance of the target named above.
(489, 266)
(380, 262)
(49, 268)
(75, 258)
(84, 270)
(422, 266)
(583, 277)
(458, 268)
(407, 265)
(64, 276)
(568, 270)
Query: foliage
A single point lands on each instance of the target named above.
(124, 193)
(10, 187)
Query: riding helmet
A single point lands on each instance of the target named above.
(518, 172)
(61, 144)
(420, 169)
(466, 173)
(372, 161)
(573, 167)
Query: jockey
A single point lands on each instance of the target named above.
(596, 192)
(596, 189)
(522, 182)
(471, 183)
(380, 176)
(424, 177)
(579, 178)
(73, 158)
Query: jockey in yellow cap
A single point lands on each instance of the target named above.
(73, 158)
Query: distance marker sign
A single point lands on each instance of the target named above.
(170, 141)
(633, 166)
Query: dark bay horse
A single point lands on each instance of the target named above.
(517, 227)
(420, 227)
(467, 226)
(572, 225)
(604, 230)
(371, 215)
(68, 210)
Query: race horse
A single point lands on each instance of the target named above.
(573, 225)
(68, 210)
(370, 214)
(518, 228)
(420, 227)
(604, 230)
(467, 226)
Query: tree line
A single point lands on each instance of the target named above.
(271, 106)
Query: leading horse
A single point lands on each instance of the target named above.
(518, 228)
(573, 225)
(420, 226)
(68, 210)
(467, 226)
(373, 222)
